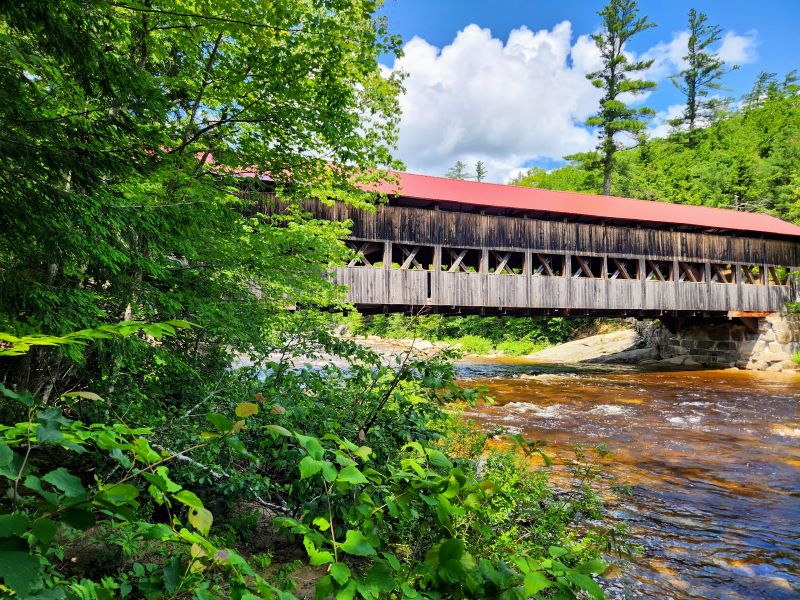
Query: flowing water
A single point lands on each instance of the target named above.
(712, 457)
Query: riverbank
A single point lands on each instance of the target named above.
(624, 346)
(643, 343)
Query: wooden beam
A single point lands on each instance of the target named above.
(503, 262)
(621, 268)
(655, 270)
(545, 265)
(457, 260)
(411, 257)
(584, 267)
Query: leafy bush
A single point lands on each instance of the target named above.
(550, 330)
(520, 347)
(390, 513)
(473, 344)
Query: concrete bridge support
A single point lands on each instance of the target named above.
(767, 343)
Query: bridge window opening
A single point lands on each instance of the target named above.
(691, 272)
(590, 267)
(412, 257)
(506, 263)
(369, 254)
(547, 265)
(622, 268)
(461, 260)
(725, 273)
(658, 270)
(777, 276)
(751, 274)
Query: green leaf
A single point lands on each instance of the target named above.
(13, 525)
(160, 479)
(173, 573)
(49, 426)
(557, 552)
(356, 544)
(452, 549)
(220, 422)
(20, 571)
(190, 499)
(309, 467)
(322, 523)
(201, 519)
(587, 584)
(279, 430)
(83, 394)
(535, 582)
(315, 556)
(66, 482)
(312, 446)
(119, 493)
(237, 444)
(592, 566)
(438, 459)
(44, 530)
(363, 453)
(380, 578)
(329, 471)
(79, 518)
(340, 572)
(180, 324)
(472, 501)
(351, 475)
(348, 592)
(24, 397)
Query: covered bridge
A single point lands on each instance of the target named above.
(462, 247)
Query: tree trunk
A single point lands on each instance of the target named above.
(608, 161)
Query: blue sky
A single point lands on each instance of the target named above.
(513, 103)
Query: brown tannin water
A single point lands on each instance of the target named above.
(713, 459)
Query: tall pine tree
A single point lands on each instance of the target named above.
(480, 171)
(702, 74)
(457, 171)
(621, 21)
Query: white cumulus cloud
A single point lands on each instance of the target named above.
(504, 103)
(507, 103)
(738, 49)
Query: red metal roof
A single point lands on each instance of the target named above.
(492, 195)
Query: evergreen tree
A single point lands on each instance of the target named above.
(703, 73)
(480, 171)
(621, 21)
(457, 171)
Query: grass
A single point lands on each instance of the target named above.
(475, 344)
(520, 347)
(796, 358)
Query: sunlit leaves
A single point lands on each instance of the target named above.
(356, 544)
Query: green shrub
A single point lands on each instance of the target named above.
(796, 358)
(520, 347)
(473, 344)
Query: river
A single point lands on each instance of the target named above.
(712, 458)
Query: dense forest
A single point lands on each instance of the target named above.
(160, 435)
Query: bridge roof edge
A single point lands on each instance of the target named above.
(493, 195)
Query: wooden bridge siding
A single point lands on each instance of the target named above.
(371, 286)
(468, 230)
(395, 287)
